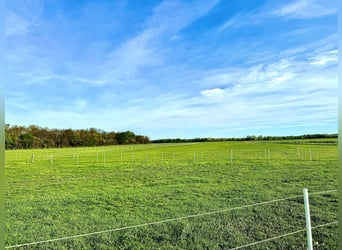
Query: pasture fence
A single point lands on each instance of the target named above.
(282, 236)
(143, 156)
(305, 195)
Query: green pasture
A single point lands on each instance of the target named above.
(56, 193)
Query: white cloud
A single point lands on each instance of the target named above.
(133, 55)
(294, 7)
(281, 78)
(146, 49)
(303, 9)
(212, 92)
(329, 57)
(172, 16)
(243, 19)
(41, 77)
(289, 91)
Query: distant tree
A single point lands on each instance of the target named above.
(140, 139)
(251, 138)
(26, 140)
(76, 140)
(111, 138)
(125, 137)
(10, 142)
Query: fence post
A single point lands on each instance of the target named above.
(265, 154)
(269, 156)
(307, 218)
(231, 156)
(51, 159)
(310, 155)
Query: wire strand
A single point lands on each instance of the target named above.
(153, 223)
(168, 220)
(281, 236)
(324, 192)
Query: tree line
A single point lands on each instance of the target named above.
(247, 138)
(22, 137)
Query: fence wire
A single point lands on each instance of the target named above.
(283, 235)
(187, 217)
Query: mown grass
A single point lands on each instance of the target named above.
(62, 192)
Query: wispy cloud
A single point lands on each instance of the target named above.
(251, 18)
(266, 95)
(212, 92)
(304, 9)
(15, 24)
(146, 49)
(324, 58)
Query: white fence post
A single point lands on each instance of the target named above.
(269, 156)
(310, 155)
(307, 218)
(231, 156)
(265, 154)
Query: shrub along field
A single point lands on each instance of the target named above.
(56, 193)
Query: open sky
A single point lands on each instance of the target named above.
(173, 68)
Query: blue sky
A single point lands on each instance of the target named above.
(167, 69)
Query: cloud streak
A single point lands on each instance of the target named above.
(304, 9)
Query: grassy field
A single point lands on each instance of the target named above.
(55, 193)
